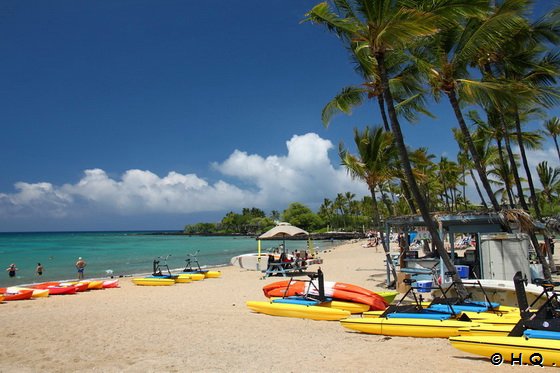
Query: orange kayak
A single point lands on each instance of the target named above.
(20, 295)
(336, 290)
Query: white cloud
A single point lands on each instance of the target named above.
(304, 175)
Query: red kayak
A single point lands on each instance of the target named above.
(336, 290)
(20, 295)
(80, 286)
(55, 289)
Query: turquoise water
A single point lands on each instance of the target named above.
(124, 253)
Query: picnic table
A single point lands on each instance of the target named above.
(285, 268)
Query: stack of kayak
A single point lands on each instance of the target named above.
(162, 276)
(46, 289)
(429, 322)
(534, 339)
(171, 279)
(442, 318)
(338, 291)
(316, 299)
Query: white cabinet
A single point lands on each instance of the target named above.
(503, 254)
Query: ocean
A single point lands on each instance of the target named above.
(120, 253)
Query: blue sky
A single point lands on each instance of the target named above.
(138, 114)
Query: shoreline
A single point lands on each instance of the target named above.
(204, 326)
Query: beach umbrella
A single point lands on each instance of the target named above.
(283, 230)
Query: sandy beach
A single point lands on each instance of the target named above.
(205, 327)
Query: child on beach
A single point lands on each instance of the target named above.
(11, 270)
(80, 265)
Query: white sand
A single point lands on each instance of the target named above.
(205, 327)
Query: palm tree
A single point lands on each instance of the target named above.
(448, 174)
(388, 25)
(374, 163)
(403, 83)
(481, 145)
(445, 64)
(550, 181)
(552, 129)
(326, 211)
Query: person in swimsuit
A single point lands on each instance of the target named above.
(80, 265)
(39, 269)
(11, 270)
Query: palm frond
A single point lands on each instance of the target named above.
(343, 102)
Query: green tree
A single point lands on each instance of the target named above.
(374, 163)
(384, 26)
(302, 216)
(550, 181)
(552, 129)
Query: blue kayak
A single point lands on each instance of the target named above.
(420, 315)
(541, 334)
(300, 300)
(456, 308)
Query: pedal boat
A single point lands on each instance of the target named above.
(353, 308)
(153, 281)
(508, 347)
(296, 310)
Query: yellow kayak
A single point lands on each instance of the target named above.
(405, 327)
(212, 274)
(191, 276)
(548, 350)
(341, 305)
(487, 329)
(298, 310)
(183, 279)
(346, 306)
(373, 314)
(493, 318)
(152, 281)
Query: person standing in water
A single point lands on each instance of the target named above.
(39, 269)
(80, 265)
(11, 270)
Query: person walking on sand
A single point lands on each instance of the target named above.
(80, 265)
(39, 269)
(11, 270)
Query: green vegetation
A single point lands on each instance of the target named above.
(344, 214)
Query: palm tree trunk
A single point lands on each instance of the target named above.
(388, 255)
(406, 191)
(556, 143)
(470, 145)
(464, 188)
(411, 181)
(381, 103)
(513, 166)
(479, 191)
(408, 196)
(507, 185)
(386, 201)
(375, 207)
(534, 200)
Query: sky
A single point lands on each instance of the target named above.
(144, 114)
